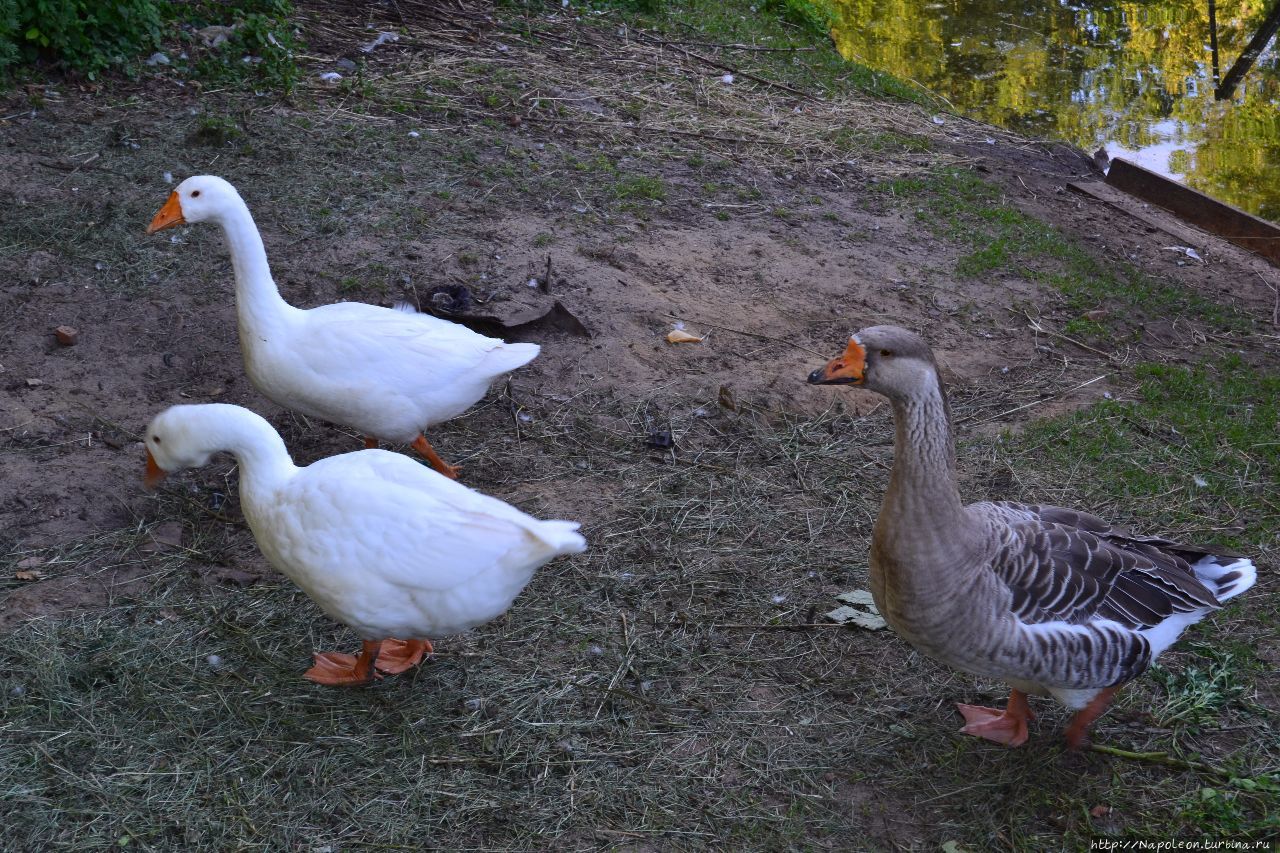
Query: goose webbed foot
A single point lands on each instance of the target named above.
(1007, 727)
(397, 656)
(335, 669)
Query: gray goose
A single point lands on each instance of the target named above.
(1049, 600)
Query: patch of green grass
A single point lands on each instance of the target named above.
(965, 209)
(1198, 692)
(1226, 813)
(804, 24)
(1195, 443)
(641, 187)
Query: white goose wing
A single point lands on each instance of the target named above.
(380, 517)
(351, 339)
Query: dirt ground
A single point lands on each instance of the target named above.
(351, 206)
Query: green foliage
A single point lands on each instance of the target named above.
(89, 37)
(817, 16)
(8, 33)
(1199, 692)
(261, 47)
(82, 35)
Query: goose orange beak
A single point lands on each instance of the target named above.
(845, 370)
(168, 216)
(154, 473)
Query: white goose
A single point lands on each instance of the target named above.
(380, 542)
(1049, 600)
(389, 373)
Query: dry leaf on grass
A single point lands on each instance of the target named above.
(864, 614)
(28, 575)
(680, 336)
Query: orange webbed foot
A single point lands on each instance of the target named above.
(1007, 727)
(397, 656)
(370, 443)
(424, 447)
(335, 669)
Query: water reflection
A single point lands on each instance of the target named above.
(1133, 78)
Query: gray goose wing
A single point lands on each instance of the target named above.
(1066, 566)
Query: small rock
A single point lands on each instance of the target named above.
(157, 59)
(30, 562)
(68, 336)
(33, 383)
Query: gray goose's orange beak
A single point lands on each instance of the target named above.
(168, 216)
(845, 370)
(154, 472)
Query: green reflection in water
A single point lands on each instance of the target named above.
(1134, 78)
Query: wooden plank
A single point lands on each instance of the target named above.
(1230, 223)
(1126, 203)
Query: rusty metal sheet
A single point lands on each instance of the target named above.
(1200, 210)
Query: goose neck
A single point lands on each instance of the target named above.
(264, 461)
(258, 299)
(922, 495)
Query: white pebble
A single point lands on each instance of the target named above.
(168, 177)
(413, 134)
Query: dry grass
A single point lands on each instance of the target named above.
(672, 686)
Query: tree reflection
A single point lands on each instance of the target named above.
(1133, 77)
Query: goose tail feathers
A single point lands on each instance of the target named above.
(1226, 577)
(561, 536)
(507, 357)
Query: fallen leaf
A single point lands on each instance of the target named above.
(29, 575)
(860, 597)
(680, 336)
(861, 618)
(30, 562)
(1100, 811)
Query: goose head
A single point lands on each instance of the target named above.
(177, 438)
(886, 359)
(196, 199)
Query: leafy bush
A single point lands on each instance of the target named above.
(83, 35)
(89, 36)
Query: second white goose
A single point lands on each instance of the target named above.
(381, 543)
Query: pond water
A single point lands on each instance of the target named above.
(1134, 78)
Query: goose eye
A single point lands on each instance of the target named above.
(156, 439)
(195, 193)
(886, 352)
